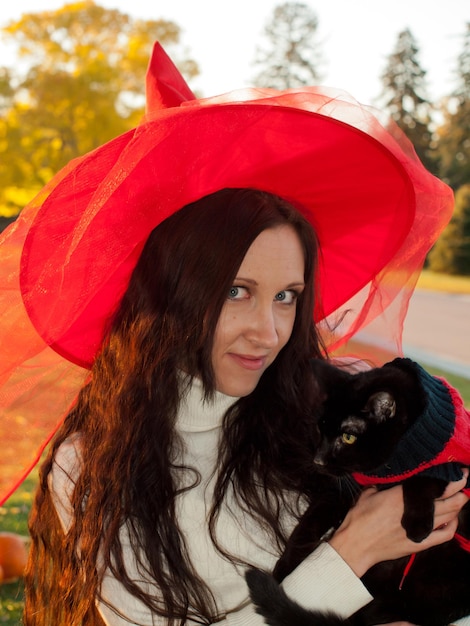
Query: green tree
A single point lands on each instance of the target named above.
(289, 56)
(404, 95)
(463, 69)
(453, 148)
(83, 84)
(451, 253)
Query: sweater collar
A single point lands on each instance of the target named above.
(197, 414)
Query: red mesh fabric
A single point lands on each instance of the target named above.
(66, 261)
(37, 386)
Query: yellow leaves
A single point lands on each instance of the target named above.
(13, 199)
(75, 6)
(84, 84)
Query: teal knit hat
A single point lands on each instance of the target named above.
(434, 431)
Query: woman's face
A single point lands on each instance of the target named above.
(257, 318)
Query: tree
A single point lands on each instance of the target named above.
(451, 253)
(463, 71)
(453, 148)
(6, 90)
(83, 85)
(289, 56)
(404, 95)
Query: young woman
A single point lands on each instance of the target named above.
(179, 276)
(184, 459)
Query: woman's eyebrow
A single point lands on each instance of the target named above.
(251, 281)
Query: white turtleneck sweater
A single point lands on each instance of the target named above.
(322, 581)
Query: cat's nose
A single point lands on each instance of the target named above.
(319, 460)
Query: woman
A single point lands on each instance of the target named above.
(175, 493)
(185, 298)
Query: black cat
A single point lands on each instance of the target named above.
(369, 424)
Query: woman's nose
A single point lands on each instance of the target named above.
(262, 327)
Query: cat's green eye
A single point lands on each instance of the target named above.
(348, 438)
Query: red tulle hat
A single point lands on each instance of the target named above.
(67, 259)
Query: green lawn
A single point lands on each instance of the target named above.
(14, 518)
(462, 384)
(11, 604)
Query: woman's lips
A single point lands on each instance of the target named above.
(249, 362)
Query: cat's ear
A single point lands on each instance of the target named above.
(381, 406)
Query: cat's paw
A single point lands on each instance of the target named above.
(417, 527)
(419, 494)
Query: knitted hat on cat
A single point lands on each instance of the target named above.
(67, 259)
(437, 444)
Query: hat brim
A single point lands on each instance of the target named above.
(86, 238)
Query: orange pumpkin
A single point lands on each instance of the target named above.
(13, 556)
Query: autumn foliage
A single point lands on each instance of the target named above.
(79, 82)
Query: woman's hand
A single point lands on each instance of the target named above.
(372, 530)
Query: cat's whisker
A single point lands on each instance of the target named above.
(347, 485)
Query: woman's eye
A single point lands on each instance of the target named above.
(348, 438)
(237, 293)
(286, 297)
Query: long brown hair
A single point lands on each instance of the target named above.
(126, 414)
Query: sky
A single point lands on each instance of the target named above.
(354, 36)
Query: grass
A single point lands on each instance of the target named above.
(462, 384)
(444, 282)
(14, 513)
(14, 518)
(11, 604)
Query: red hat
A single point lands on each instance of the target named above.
(374, 207)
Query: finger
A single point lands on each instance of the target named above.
(440, 534)
(455, 486)
(448, 510)
(450, 505)
(449, 524)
